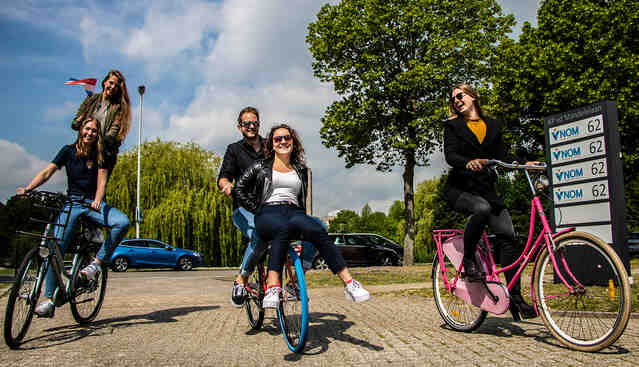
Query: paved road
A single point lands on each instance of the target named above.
(168, 318)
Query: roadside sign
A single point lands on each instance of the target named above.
(586, 176)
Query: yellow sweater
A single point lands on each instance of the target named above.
(478, 127)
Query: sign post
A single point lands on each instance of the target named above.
(586, 173)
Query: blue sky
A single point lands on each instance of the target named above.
(201, 62)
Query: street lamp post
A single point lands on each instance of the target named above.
(138, 212)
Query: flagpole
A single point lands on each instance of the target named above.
(138, 213)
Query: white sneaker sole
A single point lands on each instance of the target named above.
(270, 304)
(359, 299)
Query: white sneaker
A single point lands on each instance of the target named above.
(272, 297)
(91, 271)
(354, 291)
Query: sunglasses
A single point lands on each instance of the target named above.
(278, 139)
(246, 124)
(459, 96)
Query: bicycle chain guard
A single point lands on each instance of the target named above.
(475, 293)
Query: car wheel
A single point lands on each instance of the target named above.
(320, 264)
(120, 264)
(185, 263)
(387, 261)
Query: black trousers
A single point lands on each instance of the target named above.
(481, 214)
(282, 223)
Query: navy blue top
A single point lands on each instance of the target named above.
(82, 172)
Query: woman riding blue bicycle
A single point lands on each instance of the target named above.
(470, 138)
(274, 189)
(86, 178)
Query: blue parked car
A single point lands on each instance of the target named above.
(147, 253)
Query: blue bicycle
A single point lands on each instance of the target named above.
(292, 312)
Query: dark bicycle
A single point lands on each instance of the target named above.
(84, 296)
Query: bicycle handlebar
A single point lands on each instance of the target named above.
(515, 165)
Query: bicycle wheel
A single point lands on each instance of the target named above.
(293, 309)
(459, 315)
(22, 299)
(253, 303)
(87, 295)
(596, 312)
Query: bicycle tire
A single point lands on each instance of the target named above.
(457, 314)
(87, 295)
(574, 317)
(253, 304)
(22, 300)
(293, 309)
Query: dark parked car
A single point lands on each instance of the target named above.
(364, 249)
(147, 253)
(633, 243)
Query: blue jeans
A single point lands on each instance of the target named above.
(245, 222)
(109, 217)
(281, 223)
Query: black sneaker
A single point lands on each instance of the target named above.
(238, 296)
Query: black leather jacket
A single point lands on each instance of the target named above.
(254, 187)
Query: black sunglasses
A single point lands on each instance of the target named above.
(459, 96)
(278, 139)
(246, 124)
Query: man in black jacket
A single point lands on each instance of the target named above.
(238, 157)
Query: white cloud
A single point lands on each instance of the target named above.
(236, 53)
(19, 167)
(64, 111)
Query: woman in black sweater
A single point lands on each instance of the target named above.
(470, 139)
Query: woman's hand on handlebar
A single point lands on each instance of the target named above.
(21, 191)
(476, 164)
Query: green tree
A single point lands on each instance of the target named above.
(178, 195)
(582, 52)
(424, 207)
(392, 63)
(396, 221)
(346, 221)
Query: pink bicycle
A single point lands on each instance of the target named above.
(578, 284)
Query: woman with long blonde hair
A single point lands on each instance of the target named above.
(112, 108)
(86, 179)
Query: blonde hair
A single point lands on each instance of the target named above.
(122, 96)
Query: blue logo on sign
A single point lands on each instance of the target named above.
(565, 133)
(571, 173)
(567, 153)
(570, 194)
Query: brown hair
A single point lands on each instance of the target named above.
(121, 96)
(467, 89)
(297, 156)
(83, 150)
(248, 109)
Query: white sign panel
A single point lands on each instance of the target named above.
(590, 148)
(599, 212)
(603, 231)
(579, 171)
(576, 130)
(597, 190)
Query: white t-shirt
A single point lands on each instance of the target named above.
(286, 187)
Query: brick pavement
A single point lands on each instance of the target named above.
(165, 321)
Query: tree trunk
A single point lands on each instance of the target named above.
(409, 204)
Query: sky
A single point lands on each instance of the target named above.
(201, 62)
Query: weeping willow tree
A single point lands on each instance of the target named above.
(179, 198)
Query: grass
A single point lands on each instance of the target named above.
(422, 274)
(372, 276)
